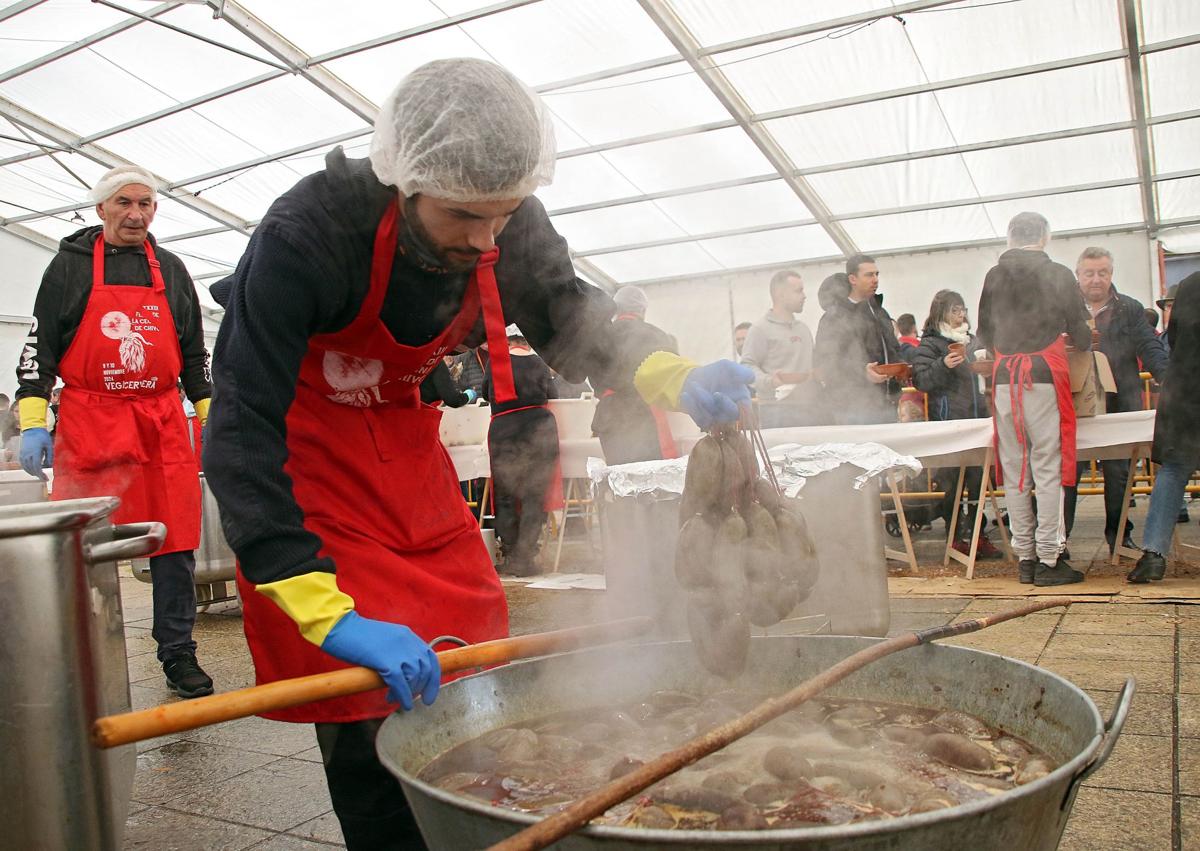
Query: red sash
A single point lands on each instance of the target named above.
(1020, 378)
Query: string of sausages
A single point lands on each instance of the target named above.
(745, 556)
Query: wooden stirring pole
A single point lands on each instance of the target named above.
(113, 730)
(577, 815)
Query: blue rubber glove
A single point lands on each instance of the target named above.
(407, 664)
(712, 393)
(471, 395)
(37, 451)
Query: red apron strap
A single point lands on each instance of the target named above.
(160, 285)
(383, 254)
(98, 261)
(666, 440)
(156, 277)
(494, 324)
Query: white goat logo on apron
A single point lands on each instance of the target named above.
(354, 380)
(117, 326)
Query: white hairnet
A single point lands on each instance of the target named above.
(631, 300)
(121, 175)
(463, 130)
(513, 331)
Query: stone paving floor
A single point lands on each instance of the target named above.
(259, 784)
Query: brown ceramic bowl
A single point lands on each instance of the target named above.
(958, 349)
(898, 371)
(981, 367)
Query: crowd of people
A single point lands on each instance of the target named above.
(1031, 312)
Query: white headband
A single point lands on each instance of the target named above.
(122, 175)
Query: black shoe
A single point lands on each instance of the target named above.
(1060, 574)
(1150, 567)
(186, 678)
(1025, 570)
(1066, 554)
(1183, 516)
(1126, 542)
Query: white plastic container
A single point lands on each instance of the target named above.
(466, 426)
(574, 416)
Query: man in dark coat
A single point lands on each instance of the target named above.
(854, 336)
(1176, 438)
(1124, 338)
(627, 427)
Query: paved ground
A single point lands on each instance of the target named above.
(259, 784)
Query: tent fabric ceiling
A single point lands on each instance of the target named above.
(695, 136)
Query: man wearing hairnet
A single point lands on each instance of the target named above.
(628, 428)
(354, 544)
(117, 318)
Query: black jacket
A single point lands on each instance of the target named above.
(849, 336)
(953, 393)
(1176, 429)
(63, 296)
(306, 272)
(623, 421)
(1125, 337)
(533, 384)
(1028, 300)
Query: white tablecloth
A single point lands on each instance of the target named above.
(939, 444)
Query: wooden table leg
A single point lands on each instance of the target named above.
(562, 529)
(950, 551)
(908, 555)
(483, 499)
(986, 488)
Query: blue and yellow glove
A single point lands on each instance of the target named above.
(710, 394)
(326, 617)
(37, 446)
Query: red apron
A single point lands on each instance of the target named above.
(1020, 377)
(121, 427)
(376, 485)
(553, 500)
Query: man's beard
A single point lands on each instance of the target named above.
(419, 247)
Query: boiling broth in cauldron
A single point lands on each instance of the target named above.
(826, 762)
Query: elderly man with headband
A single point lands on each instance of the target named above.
(117, 319)
(354, 543)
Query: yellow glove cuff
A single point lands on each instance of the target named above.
(312, 600)
(32, 412)
(659, 380)
(202, 411)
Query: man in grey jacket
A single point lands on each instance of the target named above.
(779, 348)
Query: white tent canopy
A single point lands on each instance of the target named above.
(696, 137)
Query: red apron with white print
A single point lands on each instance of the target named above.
(121, 427)
(376, 485)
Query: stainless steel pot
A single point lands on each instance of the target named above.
(62, 663)
(216, 565)
(1025, 700)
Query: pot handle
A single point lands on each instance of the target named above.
(130, 540)
(1112, 731)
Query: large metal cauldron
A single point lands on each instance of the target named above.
(62, 663)
(1025, 700)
